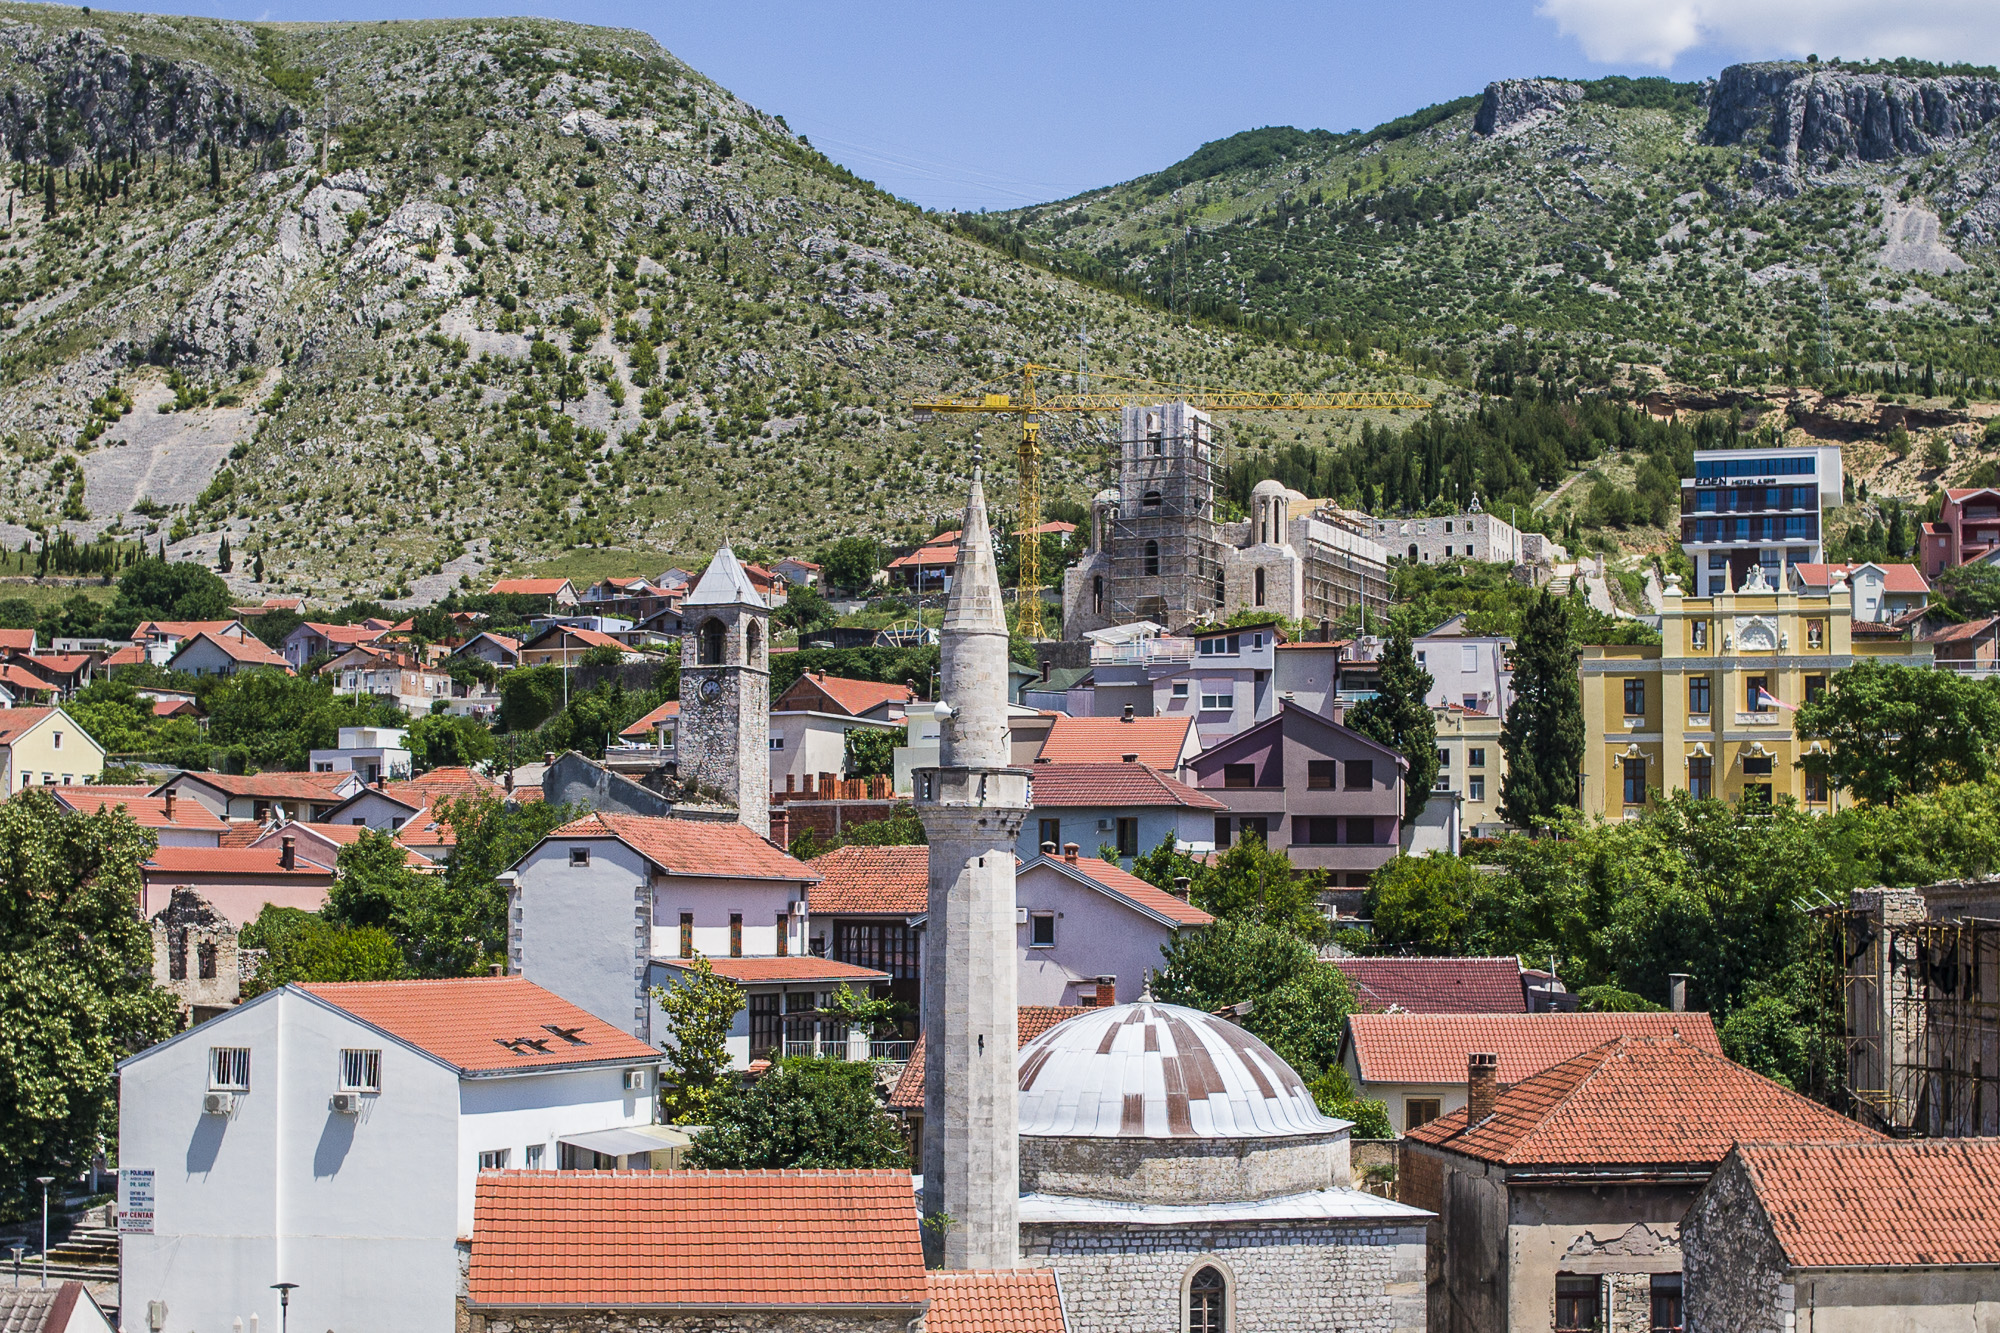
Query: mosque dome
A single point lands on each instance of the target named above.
(1160, 1071)
(1269, 488)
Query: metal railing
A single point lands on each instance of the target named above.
(844, 1048)
(1142, 651)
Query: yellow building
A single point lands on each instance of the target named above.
(44, 747)
(1470, 763)
(1710, 710)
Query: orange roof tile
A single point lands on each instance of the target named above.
(753, 1239)
(1158, 741)
(183, 629)
(18, 722)
(425, 829)
(666, 712)
(348, 634)
(19, 678)
(1971, 629)
(1019, 1300)
(926, 557)
(530, 587)
(340, 835)
(130, 655)
(242, 833)
(690, 846)
(1431, 1048)
(1031, 1022)
(1900, 578)
(1129, 886)
(250, 652)
(887, 881)
(1438, 985)
(855, 696)
(280, 786)
(442, 784)
(149, 811)
(17, 640)
(1638, 1101)
(807, 968)
(1065, 786)
(166, 862)
(1913, 1204)
(468, 1022)
(63, 664)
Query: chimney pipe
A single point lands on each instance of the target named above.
(548, 757)
(1181, 885)
(1482, 1071)
(288, 858)
(1107, 992)
(173, 797)
(508, 782)
(1048, 849)
(1069, 851)
(1677, 992)
(1129, 758)
(1126, 716)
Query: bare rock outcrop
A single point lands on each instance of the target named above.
(1801, 117)
(1512, 106)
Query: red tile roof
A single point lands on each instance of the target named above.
(425, 829)
(280, 786)
(1020, 1300)
(242, 833)
(855, 696)
(1971, 629)
(691, 846)
(263, 862)
(1963, 492)
(340, 835)
(130, 655)
(1902, 578)
(1031, 1022)
(1913, 1204)
(1064, 786)
(347, 634)
(149, 811)
(667, 711)
(530, 587)
(450, 782)
(807, 968)
(62, 664)
(1431, 1048)
(17, 640)
(1158, 741)
(925, 557)
(1437, 985)
(885, 881)
(1638, 1102)
(250, 652)
(754, 1239)
(173, 707)
(466, 1021)
(19, 678)
(18, 722)
(183, 629)
(1129, 886)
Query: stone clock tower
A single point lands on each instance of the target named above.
(725, 729)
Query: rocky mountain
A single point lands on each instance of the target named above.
(1786, 219)
(397, 305)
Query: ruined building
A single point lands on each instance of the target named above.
(1158, 552)
(195, 956)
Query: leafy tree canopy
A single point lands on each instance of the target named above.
(154, 589)
(1400, 718)
(1253, 882)
(700, 1008)
(1892, 731)
(805, 1114)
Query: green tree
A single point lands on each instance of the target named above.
(76, 988)
(488, 836)
(1971, 591)
(1253, 882)
(372, 883)
(1302, 1019)
(304, 947)
(155, 589)
(851, 563)
(441, 739)
(1894, 731)
(530, 696)
(1399, 717)
(872, 750)
(275, 720)
(700, 1009)
(1543, 737)
(804, 611)
(223, 560)
(823, 1115)
(1334, 1094)
(1228, 963)
(1166, 864)
(1424, 904)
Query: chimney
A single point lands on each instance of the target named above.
(508, 782)
(1482, 1071)
(1677, 992)
(1069, 851)
(288, 858)
(173, 798)
(1181, 885)
(1107, 992)
(1048, 849)
(1129, 758)
(1126, 716)
(548, 757)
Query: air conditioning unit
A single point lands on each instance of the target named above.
(1020, 916)
(347, 1103)
(797, 908)
(1104, 826)
(635, 1080)
(218, 1103)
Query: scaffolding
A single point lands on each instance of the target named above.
(1920, 1017)
(1166, 548)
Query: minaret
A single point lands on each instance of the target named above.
(972, 805)
(725, 729)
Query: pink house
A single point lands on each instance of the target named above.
(1967, 529)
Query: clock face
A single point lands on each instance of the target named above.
(710, 688)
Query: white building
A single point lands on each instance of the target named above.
(331, 1136)
(1473, 535)
(371, 753)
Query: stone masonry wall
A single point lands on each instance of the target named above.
(1176, 1170)
(1731, 1264)
(663, 1321)
(1283, 1278)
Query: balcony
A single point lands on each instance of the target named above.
(856, 1048)
(1142, 652)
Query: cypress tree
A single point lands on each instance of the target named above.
(48, 195)
(1543, 738)
(214, 166)
(1400, 718)
(223, 562)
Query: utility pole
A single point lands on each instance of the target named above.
(45, 1182)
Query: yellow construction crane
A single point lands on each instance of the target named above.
(1029, 404)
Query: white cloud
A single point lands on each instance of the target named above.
(1654, 32)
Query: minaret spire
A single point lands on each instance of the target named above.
(972, 806)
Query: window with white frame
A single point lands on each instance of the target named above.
(229, 1068)
(1475, 788)
(579, 856)
(1180, 689)
(495, 1160)
(1218, 696)
(361, 1071)
(532, 1159)
(777, 742)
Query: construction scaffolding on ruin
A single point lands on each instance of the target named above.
(1335, 583)
(1167, 554)
(1920, 1021)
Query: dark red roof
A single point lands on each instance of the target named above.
(1067, 786)
(747, 1239)
(1031, 1022)
(855, 696)
(1914, 1204)
(1436, 985)
(1638, 1102)
(464, 1021)
(871, 881)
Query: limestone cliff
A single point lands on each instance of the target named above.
(1804, 117)
(1512, 105)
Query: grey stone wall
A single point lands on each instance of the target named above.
(659, 1321)
(1283, 1278)
(1734, 1272)
(1176, 1170)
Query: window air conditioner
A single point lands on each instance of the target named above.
(1020, 916)
(1104, 826)
(797, 908)
(218, 1103)
(635, 1080)
(347, 1103)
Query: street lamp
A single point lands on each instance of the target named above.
(284, 1290)
(45, 1182)
(18, 1250)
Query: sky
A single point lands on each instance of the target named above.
(969, 107)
